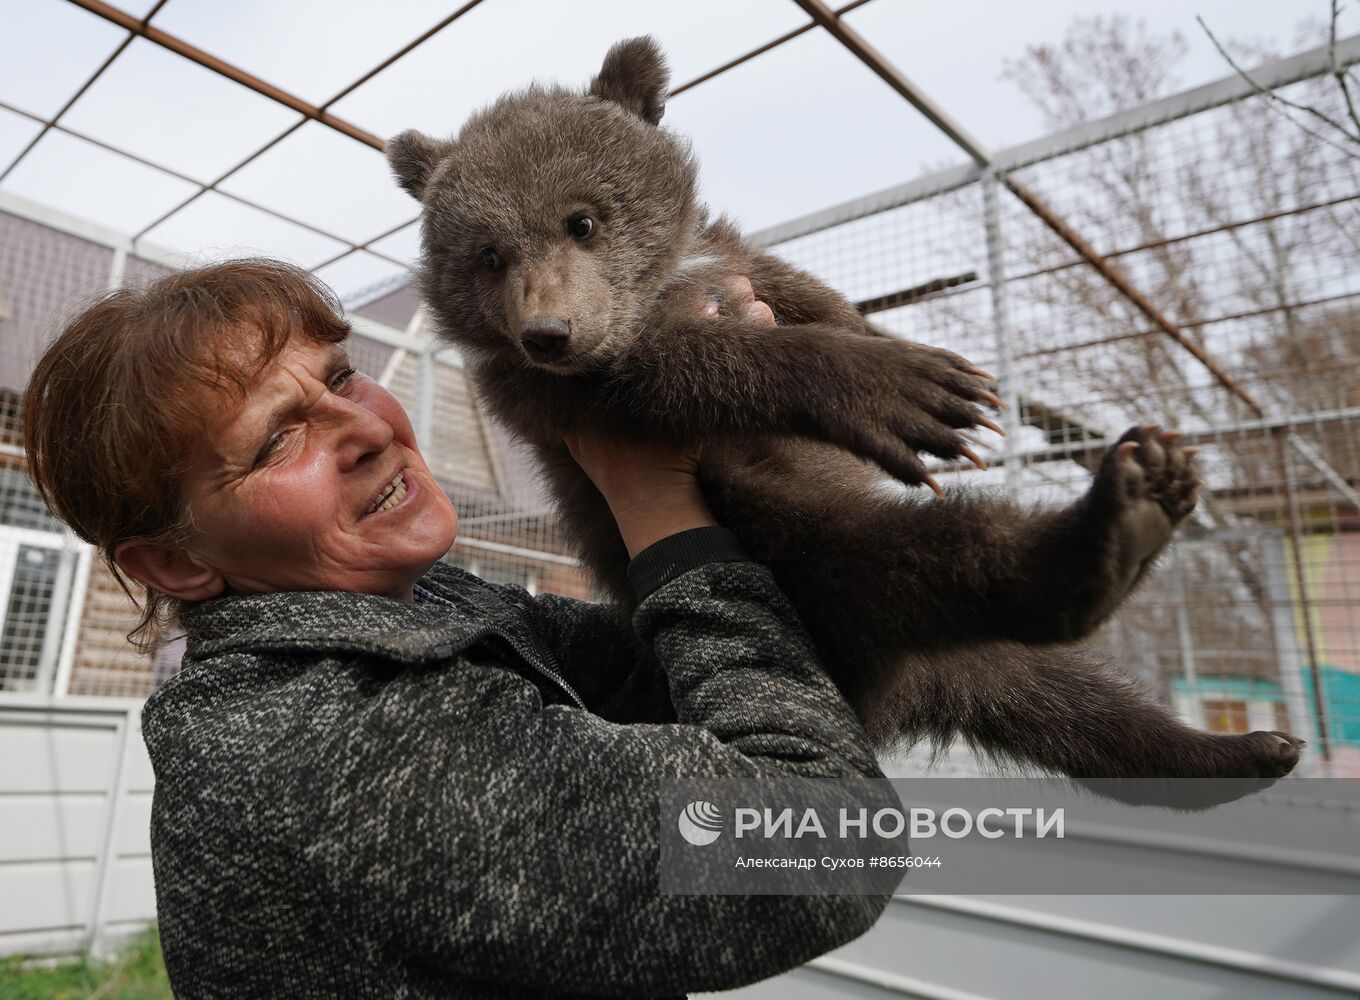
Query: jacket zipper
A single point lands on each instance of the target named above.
(549, 662)
(535, 662)
(539, 662)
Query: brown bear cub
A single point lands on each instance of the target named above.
(563, 251)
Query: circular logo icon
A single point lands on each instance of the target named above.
(700, 823)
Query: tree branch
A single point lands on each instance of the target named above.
(1275, 98)
(1339, 71)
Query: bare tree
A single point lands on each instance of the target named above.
(1229, 221)
(1333, 126)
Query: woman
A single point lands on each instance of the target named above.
(377, 775)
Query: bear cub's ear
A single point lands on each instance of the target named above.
(413, 158)
(635, 76)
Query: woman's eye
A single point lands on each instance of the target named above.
(490, 259)
(342, 379)
(579, 227)
(270, 446)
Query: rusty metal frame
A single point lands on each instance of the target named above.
(52, 125)
(1125, 287)
(954, 288)
(759, 50)
(1198, 324)
(821, 16)
(328, 119)
(1194, 234)
(907, 296)
(48, 125)
(891, 75)
(142, 28)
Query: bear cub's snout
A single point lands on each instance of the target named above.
(545, 338)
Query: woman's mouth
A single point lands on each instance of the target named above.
(392, 494)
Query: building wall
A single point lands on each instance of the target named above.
(104, 663)
(44, 274)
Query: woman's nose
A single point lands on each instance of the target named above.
(360, 434)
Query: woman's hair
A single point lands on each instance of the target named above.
(119, 399)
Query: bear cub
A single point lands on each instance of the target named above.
(565, 252)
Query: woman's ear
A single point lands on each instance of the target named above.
(168, 569)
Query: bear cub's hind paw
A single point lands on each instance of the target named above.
(1146, 484)
(1149, 480)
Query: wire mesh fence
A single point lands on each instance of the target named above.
(1237, 225)
(1234, 222)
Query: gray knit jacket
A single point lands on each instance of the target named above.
(360, 797)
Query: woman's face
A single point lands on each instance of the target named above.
(315, 483)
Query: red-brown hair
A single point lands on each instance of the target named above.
(115, 405)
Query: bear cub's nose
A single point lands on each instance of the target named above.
(545, 339)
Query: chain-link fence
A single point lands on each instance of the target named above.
(1184, 263)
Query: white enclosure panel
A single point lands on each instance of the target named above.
(960, 956)
(808, 983)
(115, 936)
(45, 894)
(38, 758)
(132, 894)
(63, 941)
(139, 777)
(63, 844)
(1310, 930)
(36, 827)
(133, 838)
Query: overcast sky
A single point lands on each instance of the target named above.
(792, 131)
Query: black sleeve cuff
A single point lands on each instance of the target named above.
(661, 562)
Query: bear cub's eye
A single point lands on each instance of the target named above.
(579, 227)
(490, 259)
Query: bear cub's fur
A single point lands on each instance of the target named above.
(566, 254)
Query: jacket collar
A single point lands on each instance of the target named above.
(338, 621)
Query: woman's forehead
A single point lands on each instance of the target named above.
(247, 357)
(257, 383)
(299, 352)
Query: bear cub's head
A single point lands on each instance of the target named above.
(552, 220)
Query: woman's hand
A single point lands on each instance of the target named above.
(741, 301)
(651, 486)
